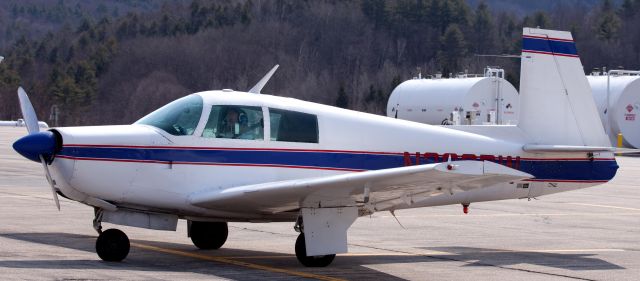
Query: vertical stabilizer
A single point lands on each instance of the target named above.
(555, 97)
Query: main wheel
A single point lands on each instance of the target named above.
(209, 235)
(310, 261)
(112, 245)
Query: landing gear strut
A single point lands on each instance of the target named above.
(97, 221)
(208, 235)
(112, 244)
(310, 261)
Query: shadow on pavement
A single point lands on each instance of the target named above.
(501, 258)
(149, 260)
(351, 267)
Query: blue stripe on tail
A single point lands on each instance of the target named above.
(549, 46)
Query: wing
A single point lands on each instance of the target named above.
(384, 189)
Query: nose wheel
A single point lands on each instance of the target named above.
(112, 245)
(310, 261)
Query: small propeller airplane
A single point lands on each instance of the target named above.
(225, 156)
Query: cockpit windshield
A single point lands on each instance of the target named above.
(179, 118)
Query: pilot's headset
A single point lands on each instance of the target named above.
(242, 118)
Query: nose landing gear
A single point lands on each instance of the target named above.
(112, 244)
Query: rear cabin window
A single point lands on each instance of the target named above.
(235, 122)
(293, 126)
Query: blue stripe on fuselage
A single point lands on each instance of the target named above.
(549, 46)
(257, 157)
(578, 170)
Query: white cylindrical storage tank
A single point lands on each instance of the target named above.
(431, 101)
(624, 106)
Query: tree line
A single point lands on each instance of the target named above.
(112, 63)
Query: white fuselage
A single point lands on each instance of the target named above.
(143, 167)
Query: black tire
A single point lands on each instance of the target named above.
(313, 261)
(112, 245)
(209, 235)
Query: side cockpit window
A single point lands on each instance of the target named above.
(179, 118)
(293, 126)
(235, 122)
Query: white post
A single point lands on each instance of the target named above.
(497, 74)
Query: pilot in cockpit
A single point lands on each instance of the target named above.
(232, 125)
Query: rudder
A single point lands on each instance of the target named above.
(557, 106)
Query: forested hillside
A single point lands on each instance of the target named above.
(110, 62)
(524, 7)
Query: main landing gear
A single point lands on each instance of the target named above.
(208, 235)
(301, 250)
(112, 244)
(310, 261)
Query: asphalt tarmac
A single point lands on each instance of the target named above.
(589, 234)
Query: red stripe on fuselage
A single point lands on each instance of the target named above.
(231, 148)
(310, 150)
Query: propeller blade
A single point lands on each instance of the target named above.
(50, 180)
(31, 120)
(28, 113)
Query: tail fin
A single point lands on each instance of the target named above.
(557, 106)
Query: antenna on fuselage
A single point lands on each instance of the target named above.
(258, 87)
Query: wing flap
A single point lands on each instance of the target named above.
(341, 190)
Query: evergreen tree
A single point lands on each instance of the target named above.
(609, 23)
(41, 51)
(483, 30)
(85, 79)
(453, 49)
(342, 100)
(53, 55)
(375, 11)
(629, 8)
(166, 26)
(84, 26)
(371, 95)
(540, 19)
(71, 52)
(394, 83)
